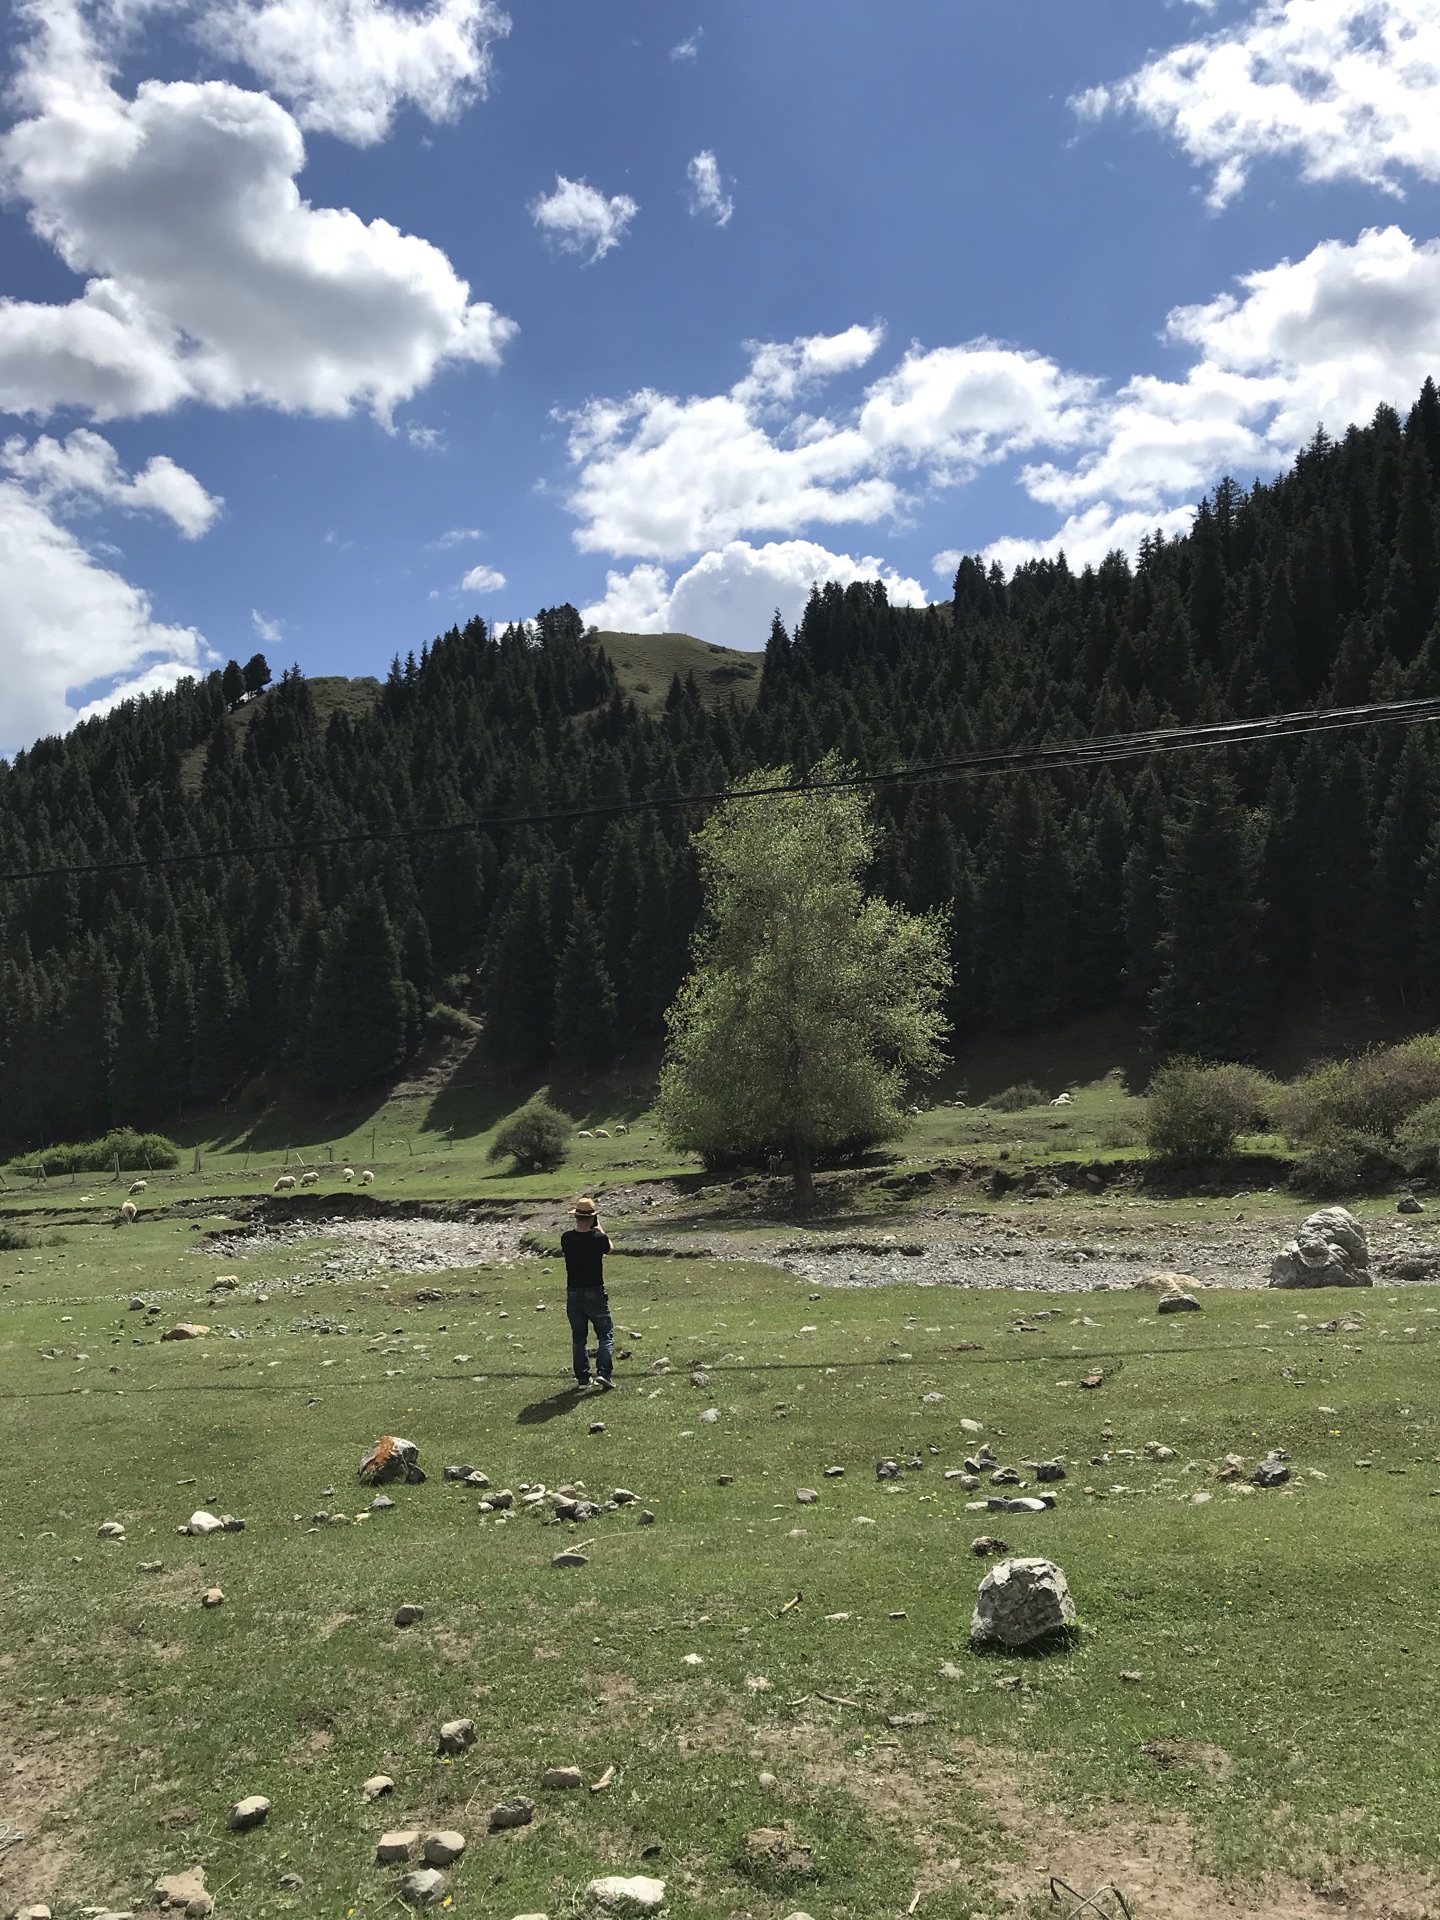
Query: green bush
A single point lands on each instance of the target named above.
(139, 1153)
(1195, 1112)
(1373, 1095)
(1346, 1163)
(537, 1138)
(443, 1018)
(15, 1240)
(1017, 1099)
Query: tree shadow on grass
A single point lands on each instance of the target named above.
(555, 1404)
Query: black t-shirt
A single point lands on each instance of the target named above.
(584, 1256)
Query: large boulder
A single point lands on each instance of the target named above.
(1021, 1601)
(1330, 1250)
(391, 1459)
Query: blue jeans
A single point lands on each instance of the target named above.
(589, 1307)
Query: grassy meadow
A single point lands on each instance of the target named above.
(1285, 1642)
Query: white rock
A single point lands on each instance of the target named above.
(397, 1844)
(201, 1522)
(423, 1887)
(252, 1811)
(971, 1426)
(443, 1848)
(1330, 1250)
(638, 1894)
(691, 1660)
(377, 1785)
(710, 1416)
(1020, 1601)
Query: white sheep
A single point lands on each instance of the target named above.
(128, 1214)
(138, 1186)
(310, 1179)
(585, 1134)
(367, 1178)
(622, 1129)
(348, 1174)
(1063, 1100)
(284, 1183)
(601, 1134)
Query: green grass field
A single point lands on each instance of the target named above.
(1286, 1641)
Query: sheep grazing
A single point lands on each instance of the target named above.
(622, 1129)
(284, 1183)
(367, 1178)
(585, 1134)
(601, 1134)
(311, 1179)
(128, 1214)
(347, 1174)
(1063, 1100)
(138, 1186)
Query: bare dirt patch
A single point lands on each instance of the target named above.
(40, 1775)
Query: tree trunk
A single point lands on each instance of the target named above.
(804, 1173)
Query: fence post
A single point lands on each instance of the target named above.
(196, 1167)
(117, 1168)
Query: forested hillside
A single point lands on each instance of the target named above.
(1201, 889)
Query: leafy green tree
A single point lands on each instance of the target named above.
(585, 1030)
(810, 1003)
(537, 1138)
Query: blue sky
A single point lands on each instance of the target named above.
(329, 323)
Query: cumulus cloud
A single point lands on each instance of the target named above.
(207, 276)
(688, 49)
(1348, 88)
(69, 626)
(456, 537)
(708, 198)
(483, 580)
(660, 477)
(577, 218)
(84, 467)
(730, 596)
(349, 65)
(272, 632)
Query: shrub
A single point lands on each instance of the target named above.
(1016, 1099)
(1195, 1112)
(1373, 1095)
(1342, 1164)
(451, 1021)
(537, 1138)
(139, 1153)
(14, 1240)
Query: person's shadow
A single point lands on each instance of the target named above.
(539, 1411)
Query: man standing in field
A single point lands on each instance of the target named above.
(585, 1247)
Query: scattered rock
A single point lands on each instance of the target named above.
(887, 1469)
(422, 1887)
(971, 1426)
(724, 1479)
(456, 1736)
(382, 1503)
(647, 1519)
(1272, 1470)
(623, 1497)
(185, 1330)
(834, 1473)
(768, 1781)
(111, 1530)
(253, 1811)
(152, 1566)
(290, 1883)
(596, 1426)
(1021, 1601)
(907, 1719)
(201, 1522)
(1407, 1203)
(1006, 1477)
(409, 1615)
(185, 1893)
(391, 1458)
(511, 1813)
(560, 1779)
(32, 1913)
(1330, 1250)
(570, 1558)
(377, 1786)
(987, 1545)
(710, 1417)
(212, 1597)
(638, 1894)
(806, 1496)
(398, 1844)
(1177, 1302)
(1050, 1470)
(443, 1847)
(1025, 1503)
(1131, 1677)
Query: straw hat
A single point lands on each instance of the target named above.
(585, 1209)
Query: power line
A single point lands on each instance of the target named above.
(988, 763)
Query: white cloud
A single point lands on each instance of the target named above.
(68, 625)
(1084, 539)
(730, 596)
(661, 477)
(85, 467)
(577, 218)
(349, 65)
(688, 49)
(483, 580)
(272, 632)
(456, 537)
(708, 198)
(1349, 88)
(427, 439)
(208, 277)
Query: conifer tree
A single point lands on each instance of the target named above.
(133, 1075)
(585, 1021)
(359, 1017)
(1207, 999)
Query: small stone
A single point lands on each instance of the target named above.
(1131, 1677)
(971, 1426)
(511, 1813)
(443, 1847)
(900, 1614)
(768, 1781)
(799, 1533)
(560, 1779)
(201, 1522)
(456, 1736)
(477, 1479)
(253, 1811)
(32, 1913)
(398, 1844)
(692, 1660)
(1407, 1203)
(647, 1519)
(1177, 1302)
(806, 1496)
(111, 1530)
(987, 1544)
(949, 1671)
(422, 1887)
(710, 1417)
(152, 1566)
(391, 1458)
(184, 1893)
(725, 1480)
(290, 1883)
(834, 1473)
(185, 1330)
(596, 1426)
(409, 1615)
(1021, 1601)
(212, 1597)
(638, 1894)
(382, 1503)
(1050, 1470)
(569, 1558)
(377, 1786)
(1271, 1472)
(887, 1469)
(623, 1497)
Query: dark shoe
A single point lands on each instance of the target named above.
(605, 1383)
